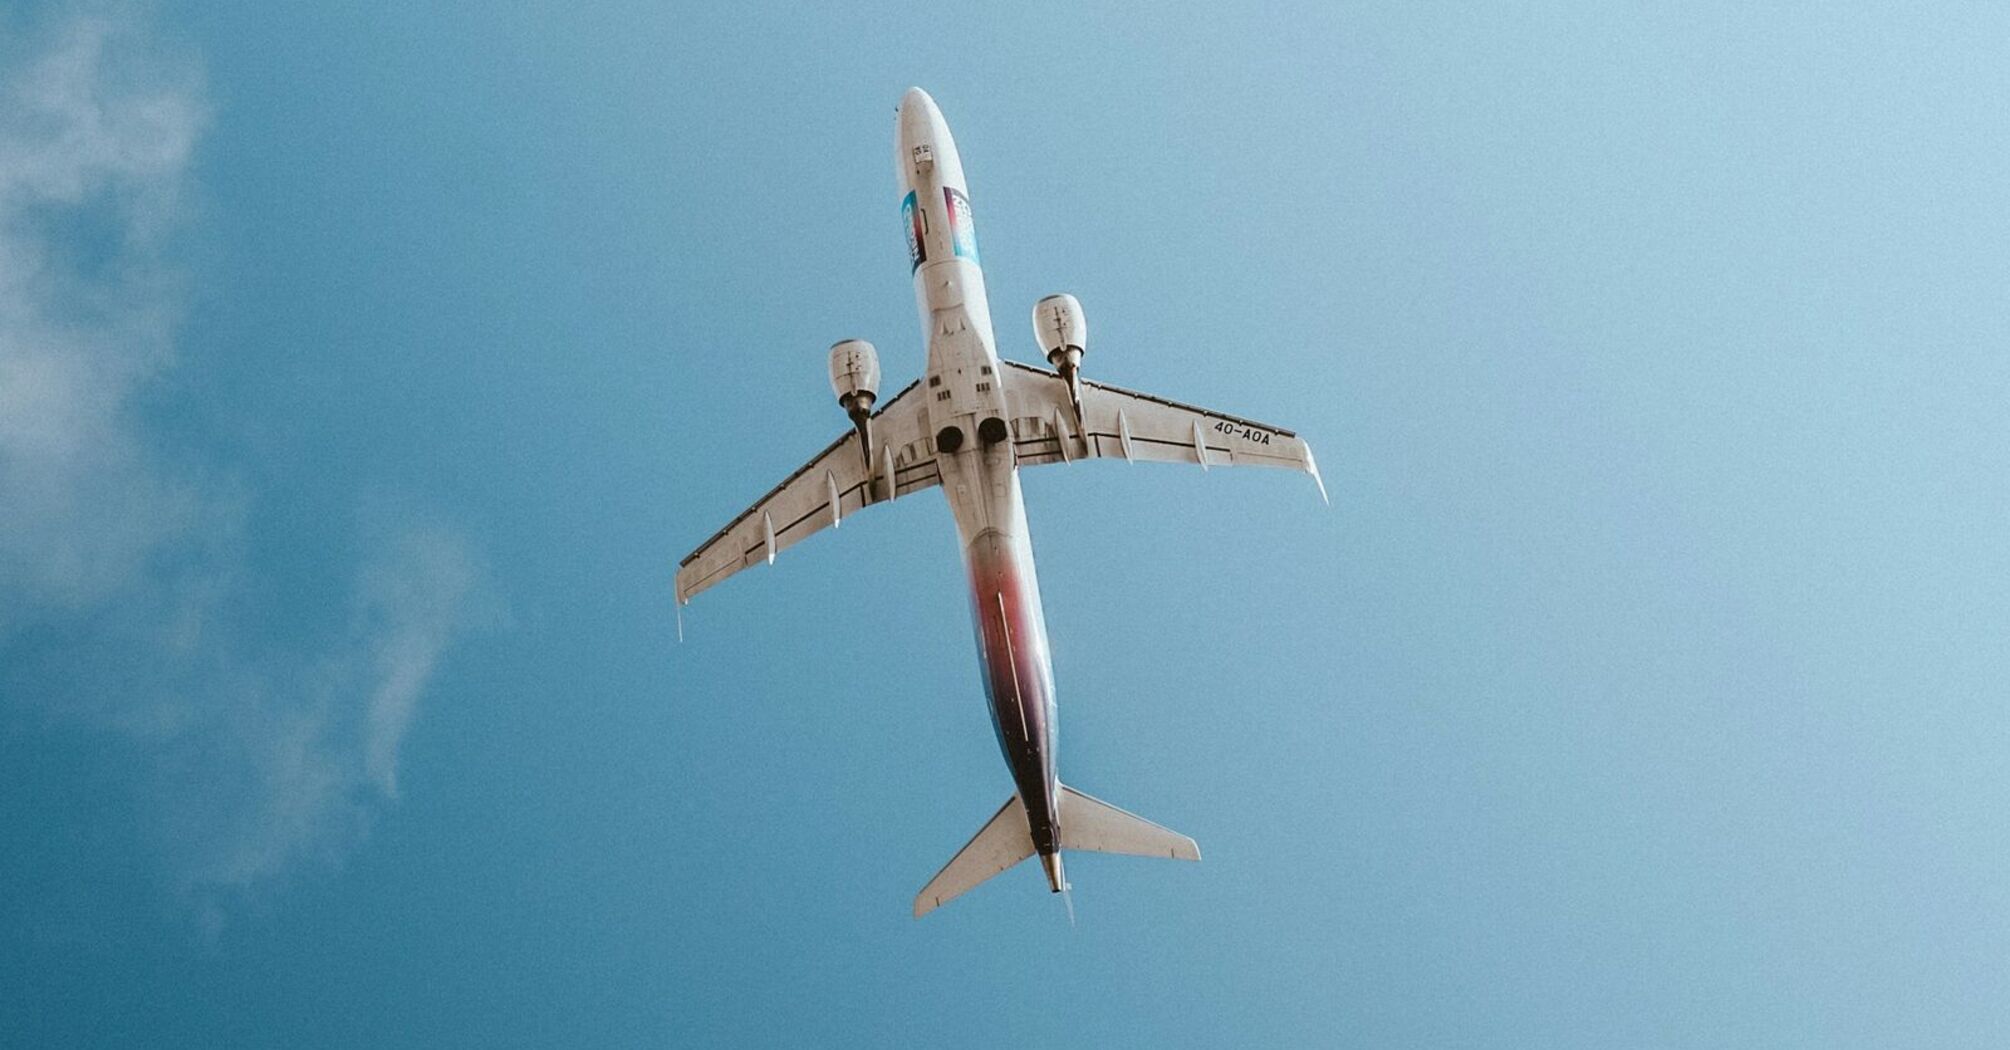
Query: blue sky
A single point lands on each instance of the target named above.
(364, 371)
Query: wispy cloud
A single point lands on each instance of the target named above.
(266, 763)
(88, 131)
(121, 565)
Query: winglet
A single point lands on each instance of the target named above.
(1312, 468)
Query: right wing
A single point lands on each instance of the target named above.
(824, 491)
(1125, 424)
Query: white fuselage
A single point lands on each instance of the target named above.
(966, 409)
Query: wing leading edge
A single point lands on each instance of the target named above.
(821, 493)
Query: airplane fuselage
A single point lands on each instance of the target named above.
(965, 405)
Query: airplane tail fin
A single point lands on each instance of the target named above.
(1006, 840)
(1087, 823)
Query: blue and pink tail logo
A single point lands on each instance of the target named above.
(917, 245)
(962, 225)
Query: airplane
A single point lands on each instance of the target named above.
(968, 426)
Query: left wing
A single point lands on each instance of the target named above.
(1125, 424)
(824, 491)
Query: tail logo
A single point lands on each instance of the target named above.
(917, 245)
(962, 225)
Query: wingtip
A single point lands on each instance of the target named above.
(1312, 468)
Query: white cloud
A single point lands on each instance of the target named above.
(267, 764)
(80, 503)
(121, 566)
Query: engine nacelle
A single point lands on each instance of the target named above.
(855, 375)
(855, 381)
(1062, 328)
(1063, 331)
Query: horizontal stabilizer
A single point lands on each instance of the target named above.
(1089, 823)
(1005, 841)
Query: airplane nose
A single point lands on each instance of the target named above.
(922, 146)
(915, 126)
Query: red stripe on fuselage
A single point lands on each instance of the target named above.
(1018, 680)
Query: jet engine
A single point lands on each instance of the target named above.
(855, 381)
(1063, 331)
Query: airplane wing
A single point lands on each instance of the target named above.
(1126, 424)
(829, 488)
